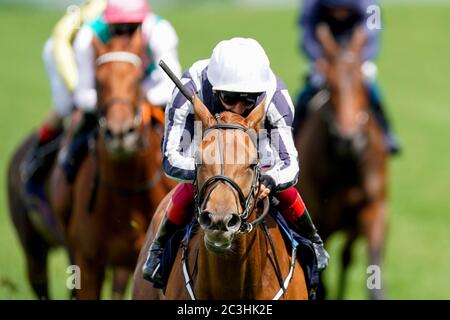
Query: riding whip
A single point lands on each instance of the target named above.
(177, 81)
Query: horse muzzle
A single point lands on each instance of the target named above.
(122, 145)
(352, 145)
(220, 230)
(346, 142)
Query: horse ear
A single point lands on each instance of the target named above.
(326, 40)
(255, 117)
(136, 42)
(99, 47)
(322, 65)
(202, 113)
(359, 38)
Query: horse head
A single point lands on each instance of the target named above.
(118, 78)
(348, 116)
(227, 175)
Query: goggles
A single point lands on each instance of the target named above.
(120, 29)
(231, 98)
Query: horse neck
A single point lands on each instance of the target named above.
(137, 168)
(237, 274)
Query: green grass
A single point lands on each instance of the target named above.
(414, 74)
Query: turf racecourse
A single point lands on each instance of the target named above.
(414, 74)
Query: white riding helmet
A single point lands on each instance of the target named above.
(240, 65)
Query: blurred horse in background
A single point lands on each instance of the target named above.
(120, 183)
(103, 217)
(238, 252)
(343, 158)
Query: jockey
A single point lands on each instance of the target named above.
(236, 78)
(119, 18)
(61, 68)
(342, 17)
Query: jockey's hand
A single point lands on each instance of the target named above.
(263, 192)
(267, 184)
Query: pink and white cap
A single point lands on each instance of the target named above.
(125, 11)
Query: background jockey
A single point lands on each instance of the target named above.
(342, 16)
(62, 71)
(119, 18)
(236, 78)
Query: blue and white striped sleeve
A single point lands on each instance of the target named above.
(280, 115)
(177, 147)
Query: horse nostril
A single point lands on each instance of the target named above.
(108, 133)
(205, 219)
(233, 221)
(131, 130)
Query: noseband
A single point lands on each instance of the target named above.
(125, 101)
(247, 202)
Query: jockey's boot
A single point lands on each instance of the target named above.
(392, 143)
(40, 158)
(151, 269)
(305, 227)
(179, 211)
(377, 106)
(294, 210)
(78, 146)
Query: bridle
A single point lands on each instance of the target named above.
(248, 203)
(125, 101)
(145, 186)
(119, 56)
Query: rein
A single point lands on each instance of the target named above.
(283, 284)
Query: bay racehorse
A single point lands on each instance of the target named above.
(120, 183)
(344, 171)
(238, 251)
(103, 217)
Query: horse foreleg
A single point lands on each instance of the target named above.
(37, 269)
(120, 281)
(373, 222)
(36, 247)
(346, 259)
(92, 274)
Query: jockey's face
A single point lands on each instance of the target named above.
(340, 13)
(123, 29)
(237, 102)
